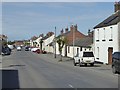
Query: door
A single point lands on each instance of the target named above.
(77, 51)
(110, 50)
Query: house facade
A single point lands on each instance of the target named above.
(70, 35)
(33, 41)
(107, 37)
(80, 45)
(3, 41)
(47, 42)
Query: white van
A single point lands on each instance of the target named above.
(85, 57)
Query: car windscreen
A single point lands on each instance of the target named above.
(88, 54)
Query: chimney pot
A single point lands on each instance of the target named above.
(62, 31)
(66, 30)
(117, 6)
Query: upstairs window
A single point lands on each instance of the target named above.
(111, 34)
(104, 35)
(98, 35)
(68, 49)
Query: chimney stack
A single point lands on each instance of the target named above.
(66, 30)
(71, 28)
(62, 31)
(89, 33)
(41, 35)
(117, 6)
(76, 27)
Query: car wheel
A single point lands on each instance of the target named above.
(74, 63)
(92, 64)
(114, 70)
(85, 64)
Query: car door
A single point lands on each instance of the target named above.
(115, 60)
(119, 61)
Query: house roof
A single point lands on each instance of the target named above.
(111, 20)
(83, 42)
(64, 34)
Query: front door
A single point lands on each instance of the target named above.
(110, 50)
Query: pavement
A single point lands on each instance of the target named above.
(69, 62)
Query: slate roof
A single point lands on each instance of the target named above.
(83, 42)
(111, 20)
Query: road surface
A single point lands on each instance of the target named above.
(24, 69)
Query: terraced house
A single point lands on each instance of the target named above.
(107, 37)
(70, 35)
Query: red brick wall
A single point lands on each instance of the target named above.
(77, 35)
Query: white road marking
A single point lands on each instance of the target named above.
(71, 86)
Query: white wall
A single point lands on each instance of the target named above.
(106, 34)
(71, 54)
(119, 35)
(46, 43)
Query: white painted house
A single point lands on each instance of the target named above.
(107, 37)
(80, 45)
(47, 44)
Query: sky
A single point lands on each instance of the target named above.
(22, 20)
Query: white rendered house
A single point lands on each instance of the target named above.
(107, 38)
(80, 45)
(47, 43)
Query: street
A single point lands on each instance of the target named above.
(25, 69)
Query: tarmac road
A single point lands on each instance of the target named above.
(29, 70)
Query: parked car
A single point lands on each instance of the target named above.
(19, 48)
(86, 57)
(34, 49)
(26, 48)
(11, 46)
(116, 62)
(6, 51)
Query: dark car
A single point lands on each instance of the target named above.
(26, 48)
(116, 62)
(6, 51)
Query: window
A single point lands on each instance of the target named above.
(111, 36)
(97, 52)
(80, 48)
(98, 35)
(88, 54)
(68, 49)
(104, 35)
(77, 50)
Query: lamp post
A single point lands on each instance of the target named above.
(55, 42)
(73, 42)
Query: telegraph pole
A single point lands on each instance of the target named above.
(73, 41)
(55, 42)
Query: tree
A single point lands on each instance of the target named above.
(61, 42)
(41, 41)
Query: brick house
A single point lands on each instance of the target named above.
(71, 35)
(19, 43)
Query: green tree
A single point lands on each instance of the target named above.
(61, 42)
(11, 42)
(41, 42)
(27, 43)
